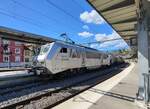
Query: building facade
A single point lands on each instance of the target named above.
(13, 53)
(28, 54)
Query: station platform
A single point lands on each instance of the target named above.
(8, 74)
(118, 92)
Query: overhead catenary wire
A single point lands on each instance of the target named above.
(43, 14)
(50, 18)
(82, 8)
(24, 19)
(17, 18)
(65, 12)
(21, 18)
(32, 9)
(98, 42)
(39, 22)
(103, 41)
(72, 29)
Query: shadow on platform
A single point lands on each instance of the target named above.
(115, 95)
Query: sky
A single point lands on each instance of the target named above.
(51, 18)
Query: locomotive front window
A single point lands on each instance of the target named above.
(44, 49)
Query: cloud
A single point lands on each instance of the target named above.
(110, 45)
(121, 44)
(85, 34)
(116, 44)
(91, 17)
(113, 44)
(94, 45)
(85, 27)
(102, 37)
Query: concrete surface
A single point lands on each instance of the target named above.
(13, 69)
(14, 74)
(117, 92)
(121, 96)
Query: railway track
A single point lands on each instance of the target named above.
(23, 85)
(14, 84)
(76, 89)
(63, 92)
(18, 81)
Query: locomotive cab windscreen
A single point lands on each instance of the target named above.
(44, 50)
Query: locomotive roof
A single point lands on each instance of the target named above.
(79, 46)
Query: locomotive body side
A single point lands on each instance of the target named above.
(60, 57)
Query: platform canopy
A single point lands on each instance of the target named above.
(12, 34)
(120, 14)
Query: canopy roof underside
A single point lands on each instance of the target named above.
(120, 14)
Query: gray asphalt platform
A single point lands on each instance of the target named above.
(122, 96)
(118, 92)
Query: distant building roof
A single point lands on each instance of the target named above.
(12, 34)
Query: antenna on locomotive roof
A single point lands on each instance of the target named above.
(67, 39)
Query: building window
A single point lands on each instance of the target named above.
(17, 59)
(17, 50)
(5, 58)
(26, 59)
(18, 43)
(27, 53)
(7, 50)
(6, 41)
